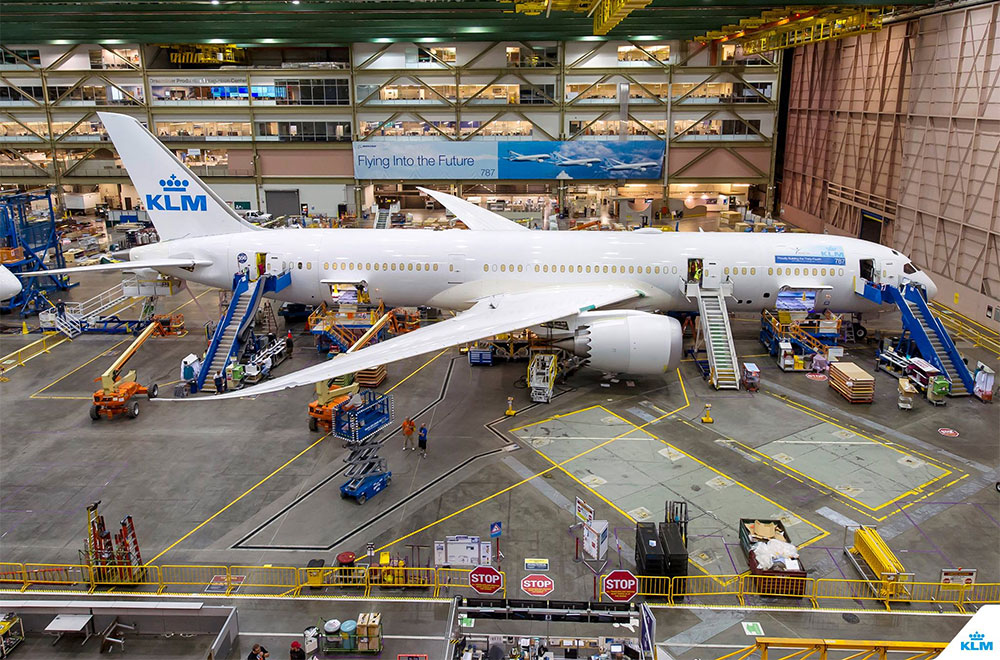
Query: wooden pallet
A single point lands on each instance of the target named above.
(371, 377)
(854, 383)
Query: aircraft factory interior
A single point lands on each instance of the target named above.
(499, 330)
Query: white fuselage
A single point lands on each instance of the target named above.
(451, 269)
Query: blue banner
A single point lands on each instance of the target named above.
(442, 159)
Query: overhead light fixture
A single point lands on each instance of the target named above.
(215, 2)
(295, 2)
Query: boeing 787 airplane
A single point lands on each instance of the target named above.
(606, 292)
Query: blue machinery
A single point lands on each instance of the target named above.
(25, 243)
(925, 332)
(230, 336)
(358, 422)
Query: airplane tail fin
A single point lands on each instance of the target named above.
(178, 202)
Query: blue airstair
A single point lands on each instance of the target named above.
(928, 334)
(231, 334)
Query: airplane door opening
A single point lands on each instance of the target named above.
(695, 272)
(260, 268)
(868, 271)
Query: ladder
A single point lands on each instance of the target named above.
(932, 339)
(266, 318)
(722, 360)
(228, 336)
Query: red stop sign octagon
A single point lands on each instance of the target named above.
(537, 585)
(486, 579)
(621, 586)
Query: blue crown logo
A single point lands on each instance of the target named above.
(977, 636)
(173, 184)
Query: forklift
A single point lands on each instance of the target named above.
(119, 394)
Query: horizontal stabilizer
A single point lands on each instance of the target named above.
(474, 217)
(122, 265)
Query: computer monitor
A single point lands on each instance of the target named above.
(617, 648)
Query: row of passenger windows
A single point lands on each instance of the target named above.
(578, 268)
(563, 268)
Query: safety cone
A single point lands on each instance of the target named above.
(706, 418)
(24, 327)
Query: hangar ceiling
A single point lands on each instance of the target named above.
(247, 22)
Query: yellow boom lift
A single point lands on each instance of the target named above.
(118, 394)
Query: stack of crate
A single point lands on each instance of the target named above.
(370, 631)
(854, 383)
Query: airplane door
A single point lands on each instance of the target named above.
(889, 274)
(456, 265)
(711, 277)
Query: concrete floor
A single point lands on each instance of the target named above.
(245, 483)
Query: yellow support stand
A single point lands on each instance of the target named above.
(510, 412)
(706, 418)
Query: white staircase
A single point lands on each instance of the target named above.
(722, 360)
(79, 315)
(221, 357)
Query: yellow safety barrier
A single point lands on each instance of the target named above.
(20, 356)
(458, 578)
(834, 592)
(966, 328)
(351, 578)
(804, 648)
(868, 543)
(981, 594)
(708, 589)
(399, 577)
(205, 578)
(11, 573)
(652, 586)
(122, 576)
(261, 579)
(49, 575)
(721, 590)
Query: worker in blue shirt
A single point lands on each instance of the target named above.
(422, 441)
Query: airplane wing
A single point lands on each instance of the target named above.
(490, 316)
(475, 217)
(122, 265)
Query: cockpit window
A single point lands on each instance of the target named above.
(908, 268)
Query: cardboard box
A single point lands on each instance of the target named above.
(363, 644)
(363, 625)
(374, 623)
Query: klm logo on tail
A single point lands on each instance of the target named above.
(976, 643)
(177, 201)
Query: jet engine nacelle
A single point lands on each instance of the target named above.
(628, 341)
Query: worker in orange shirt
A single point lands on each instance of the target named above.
(409, 426)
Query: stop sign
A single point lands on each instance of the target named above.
(621, 586)
(537, 585)
(486, 579)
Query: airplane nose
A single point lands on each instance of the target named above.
(930, 287)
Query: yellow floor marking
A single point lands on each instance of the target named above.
(549, 419)
(245, 493)
(416, 370)
(66, 375)
(832, 421)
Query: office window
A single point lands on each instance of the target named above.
(537, 94)
(319, 91)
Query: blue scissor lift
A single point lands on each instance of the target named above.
(357, 421)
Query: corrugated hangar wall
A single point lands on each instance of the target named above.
(904, 125)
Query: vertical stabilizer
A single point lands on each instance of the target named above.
(178, 202)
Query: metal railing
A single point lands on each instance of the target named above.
(767, 591)
(34, 349)
(962, 326)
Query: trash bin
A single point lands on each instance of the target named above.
(331, 634)
(346, 559)
(348, 634)
(314, 573)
